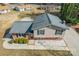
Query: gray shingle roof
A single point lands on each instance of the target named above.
(20, 26)
(55, 21)
(47, 20)
(40, 21)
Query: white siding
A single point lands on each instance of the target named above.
(48, 33)
(21, 9)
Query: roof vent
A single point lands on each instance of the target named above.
(63, 22)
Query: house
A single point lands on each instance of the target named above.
(50, 7)
(23, 7)
(21, 29)
(44, 27)
(28, 8)
(4, 9)
(48, 26)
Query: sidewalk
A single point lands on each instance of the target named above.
(33, 47)
(72, 39)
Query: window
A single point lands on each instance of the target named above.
(39, 8)
(58, 32)
(57, 8)
(40, 32)
(28, 9)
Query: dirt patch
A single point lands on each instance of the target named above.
(5, 22)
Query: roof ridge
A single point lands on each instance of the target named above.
(48, 18)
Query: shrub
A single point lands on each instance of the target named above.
(16, 40)
(11, 41)
(19, 41)
(25, 41)
(72, 20)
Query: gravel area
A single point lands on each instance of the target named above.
(26, 52)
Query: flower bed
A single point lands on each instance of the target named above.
(19, 41)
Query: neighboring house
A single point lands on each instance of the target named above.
(29, 8)
(50, 7)
(44, 26)
(4, 9)
(23, 8)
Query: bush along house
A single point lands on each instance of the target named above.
(44, 27)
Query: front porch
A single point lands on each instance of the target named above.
(30, 36)
(27, 36)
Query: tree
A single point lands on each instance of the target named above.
(69, 12)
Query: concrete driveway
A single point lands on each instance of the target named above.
(72, 40)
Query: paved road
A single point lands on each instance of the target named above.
(72, 39)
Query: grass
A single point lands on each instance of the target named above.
(60, 53)
(34, 53)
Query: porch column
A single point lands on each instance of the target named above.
(27, 37)
(14, 36)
